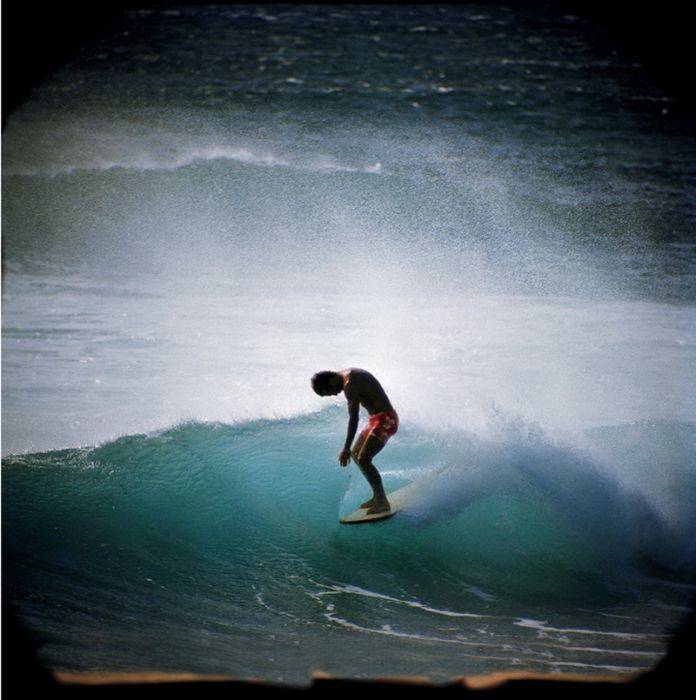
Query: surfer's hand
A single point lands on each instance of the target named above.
(344, 458)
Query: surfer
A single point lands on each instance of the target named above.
(362, 389)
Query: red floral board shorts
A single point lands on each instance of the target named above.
(382, 426)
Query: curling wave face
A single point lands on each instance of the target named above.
(239, 524)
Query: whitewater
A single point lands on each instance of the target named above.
(489, 208)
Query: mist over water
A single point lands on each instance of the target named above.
(313, 267)
(492, 210)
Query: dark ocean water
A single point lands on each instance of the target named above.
(491, 208)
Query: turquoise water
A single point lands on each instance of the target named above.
(491, 209)
(213, 547)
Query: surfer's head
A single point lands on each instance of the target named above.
(327, 383)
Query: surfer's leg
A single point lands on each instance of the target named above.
(355, 454)
(363, 452)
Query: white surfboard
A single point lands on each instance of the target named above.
(397, 500)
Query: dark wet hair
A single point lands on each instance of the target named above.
(322, 380)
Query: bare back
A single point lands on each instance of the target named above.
(360, 386)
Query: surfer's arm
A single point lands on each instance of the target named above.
(353, 417)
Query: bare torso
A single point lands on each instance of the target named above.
(361, 386)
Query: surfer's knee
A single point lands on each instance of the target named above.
(362, 459)
(367, 468)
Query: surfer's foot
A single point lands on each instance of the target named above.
(379, 507)
(368, 504)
